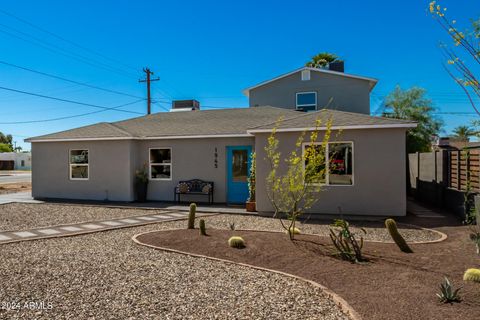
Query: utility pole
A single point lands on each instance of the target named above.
(148, 79)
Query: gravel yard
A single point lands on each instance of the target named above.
(20, 216)
(375, 230)
(106, 276)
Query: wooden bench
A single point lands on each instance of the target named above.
(194, 186)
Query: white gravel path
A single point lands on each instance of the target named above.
(106, 276)
(21, 216)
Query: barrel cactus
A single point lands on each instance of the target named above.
(396, 236)
(191, 216)
(236, 242)
(293, 230)
(472, 275)
(203, 231)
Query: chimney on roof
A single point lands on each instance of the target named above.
(338, 66)
(185, 105)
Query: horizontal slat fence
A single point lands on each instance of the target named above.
(463, 169)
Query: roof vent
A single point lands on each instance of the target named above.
(185, 105)
(338, 66)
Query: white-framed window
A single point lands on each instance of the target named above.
(305, 75)
(306, 101)
(79, 165)
(160, 160)
(339, 156)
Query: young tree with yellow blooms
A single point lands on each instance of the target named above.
(459, 67)
(294, 187)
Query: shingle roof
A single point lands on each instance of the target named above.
(212, 123)
(339, 119)
(99, 130)
(187, 123)
(207, 122)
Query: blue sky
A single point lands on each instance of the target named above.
(209, 50)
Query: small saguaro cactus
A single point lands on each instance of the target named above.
(203, 232)
(472, 275)
(391, 226)
(236, 242)
(191, 216)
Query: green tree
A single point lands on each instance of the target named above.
(463, 132)
(5, 148)
(322, 60)
(6, 139)
(293, 188)
(412, 104)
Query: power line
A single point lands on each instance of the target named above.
(56, 49)
(73, 116)
(66, 100)
(64, 39)
(68, 80)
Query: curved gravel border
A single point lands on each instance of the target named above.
(376, 231)
(339, 301)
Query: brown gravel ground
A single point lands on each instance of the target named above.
(15, 187)
(393, 285)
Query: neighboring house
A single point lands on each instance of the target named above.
(15, 161)
(310, 89)
(98, 162)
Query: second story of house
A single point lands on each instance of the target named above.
(309, 89)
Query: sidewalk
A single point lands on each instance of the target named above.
(20, 197)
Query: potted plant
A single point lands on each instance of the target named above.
(251, 204)
(141, 184)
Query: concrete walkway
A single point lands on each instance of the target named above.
(89, 227)
(421, 211)
(19, 197)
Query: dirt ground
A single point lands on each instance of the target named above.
(15, 187)
(393, 285)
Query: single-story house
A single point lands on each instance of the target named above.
(15, 160)
(98, 162)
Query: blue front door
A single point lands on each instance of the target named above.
(238, 170)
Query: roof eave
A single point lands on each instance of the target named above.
(353, 127)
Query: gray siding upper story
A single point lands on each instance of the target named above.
(335, 90)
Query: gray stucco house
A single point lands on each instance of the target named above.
(98, 162)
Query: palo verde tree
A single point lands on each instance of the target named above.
(465, 53)
(294, 182)
(322, 60)
(412, 104)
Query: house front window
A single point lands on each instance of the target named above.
(306, 101)
(339, 156)
(79, 166)
(161, 164)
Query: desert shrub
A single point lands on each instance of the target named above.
(232, 226)
(203, 230)
(191, 216)
(348, 247)
(293, 230)
(396, 236)
(236, 242)
(447, 293)
(472, 275)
